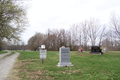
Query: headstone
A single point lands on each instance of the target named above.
(104, 49)
(79, 49)
(96, 50)
(64, 57)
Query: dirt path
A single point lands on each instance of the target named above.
(6, 65)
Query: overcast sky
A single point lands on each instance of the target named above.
(56, 14)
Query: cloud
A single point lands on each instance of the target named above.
(44, 14)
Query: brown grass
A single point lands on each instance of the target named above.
(85, 55)
(39, 75)
(13, 75)
(69, 71)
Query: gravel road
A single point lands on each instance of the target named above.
(6, 64)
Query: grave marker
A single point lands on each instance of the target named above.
(96, 50)
(64, 57)
(104, 49)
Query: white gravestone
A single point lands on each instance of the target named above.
(64, 57)
(43, 54)
(104, 49)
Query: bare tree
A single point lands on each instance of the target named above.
(93, 29)
(102, 34)
(109, 40)
(84, 26)
(115, 24)
(74, 35)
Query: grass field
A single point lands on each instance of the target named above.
(1, 52)
(86, 66)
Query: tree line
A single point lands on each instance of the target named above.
(85, 34)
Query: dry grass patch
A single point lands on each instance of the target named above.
(19, 72)
(39, 75)
(29, 60)
(84, 55)
(13, 75)
(69, 71)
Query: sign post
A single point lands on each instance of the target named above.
(42, 60)
(43, 53)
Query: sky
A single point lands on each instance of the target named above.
(61, 14)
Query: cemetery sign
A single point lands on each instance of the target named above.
(42, 54)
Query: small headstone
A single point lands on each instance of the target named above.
(80, 49)
(104, 49)
(96, 50)
(64, 57)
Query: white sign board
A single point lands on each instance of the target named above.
(43, 54)
(43, 46)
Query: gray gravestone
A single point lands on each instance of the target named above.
(64, 57)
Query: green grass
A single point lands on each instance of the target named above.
(11, 53)
(86, 66)
(2, 52)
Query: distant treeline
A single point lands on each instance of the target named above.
(57, 38)
(16, 47)
(85, 34)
